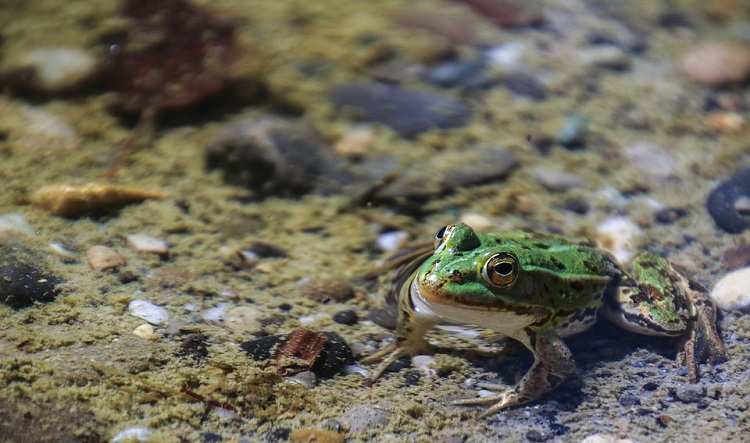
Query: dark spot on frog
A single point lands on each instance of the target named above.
(553, 380)
(589, 266)
(577, 286)
(558, 264)
(456, 276)
(541, 245)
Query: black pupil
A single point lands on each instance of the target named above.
(441, 233)
(503, 268)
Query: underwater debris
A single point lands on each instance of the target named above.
(76, 200)
(173, 55)
(23, 280)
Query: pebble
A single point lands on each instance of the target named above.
(278, 434)
(605, 438)
(725, 203)
(35, 129)
(629, 400)
(262, 348)
(670, 215)
(555, 180)
(605, 56)
(409, 112)
(145, 310)
(618, 235)
(11, 224)
(102, 258)
(145, 331)
(322, 289)
(573, 130)
(508, 56)
(73, 200)
(356, 142)
(732, 292)
(507, 13)
(726, 122)
(305, 378)
(690, 392)
(147, 243)
(274, 156)
(392, 240)
(25, 280)
(215, 315)
(335, 355)
(525, 84)
(347, 317)
(243, 320)
(138, 433)
(366, 416)
(456, 72)
(424, 364)
(716, 64)
(315, 435)
(50, 70)
(650, 158)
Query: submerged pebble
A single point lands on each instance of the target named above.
(274, 156)
(726, 203)
(50, 69)
(243, 320)
(24, 279)
(409, 112)
(145, 310)
(456, 72)
(650, 158)
(733, 290)
(716, 63)
(322, 289)
(147, 243)
(315, 435)
(35, 129)
(102, 257)
(618, 235)
(69, 200)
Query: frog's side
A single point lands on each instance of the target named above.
(537, 288)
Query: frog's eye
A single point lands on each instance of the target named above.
(440, 235)
(500, 270)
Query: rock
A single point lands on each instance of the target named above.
(275, 156)
(690, 392)
(145, 310)
(366, 417)
(605, 56)
(525, 84)
(557, 181)
(37, 130)
(24, 280)
(147, 243)
(650, 158)
(726, 203)
(50, 69)
(262, 348)
(455, 73)
(732, 292)
(409, 112)
(506, 13)
(716, 64)
(392, 240)
(322, 289)
(315, 435)
(136, 433)
(347, 317)
(356, 142)
(243, 320)
(145, 331)
(573, 130)
(629, 400)
(668, 216)
(618, 235)
(102, 258)
(604, 438)
(72, 200)
(13, 224)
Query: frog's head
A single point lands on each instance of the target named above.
(467, 269)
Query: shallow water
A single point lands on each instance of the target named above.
(643, 140)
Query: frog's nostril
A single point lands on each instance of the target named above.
(457, 276)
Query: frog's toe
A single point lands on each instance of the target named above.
(506, 399)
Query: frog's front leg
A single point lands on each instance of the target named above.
(553, 363)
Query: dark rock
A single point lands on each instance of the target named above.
(572, 133)
(690, 393)
(728, 205)
(275, 156)
(407, 111)
(525, 84)
(674, 18)
(412, 378)
(267, 250)
(558, 429)
(456, 72)
(262, 348)
(335, 354)
(629, 400)
(210, 437)
(650, 386)
(738, 257)
(670, 215)
(579, 206)
(347, 317)
(279, 434)
(194, 345)
(401, 363)
(506, 13)
(536, 435)
(24, 280)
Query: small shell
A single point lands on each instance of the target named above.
(75, 200)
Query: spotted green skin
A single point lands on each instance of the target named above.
(549, 287)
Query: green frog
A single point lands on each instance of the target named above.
(538, 288)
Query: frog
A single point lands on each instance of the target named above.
(538, 288)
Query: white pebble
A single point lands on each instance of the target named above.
(147, 243)
(484, 393)
(145, 331)
(604, 438)
(356, 142)
(217, 314)
(243, 320)
(304, 378)
(555, 180)
(508, 56)
(57, 68)
(733, 291)
(605, 56)
(423, 363)
(145, 310)
(650, 158)
(103, 257)
(356, 369)
(14, 223)
(391, 241)
(619, 236)
(139, 433)
(35, 129)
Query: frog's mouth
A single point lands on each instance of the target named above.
(496, 318)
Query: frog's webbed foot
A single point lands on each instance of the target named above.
(553, 363)
(703, 342)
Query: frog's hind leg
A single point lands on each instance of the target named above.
(553, 363)
(410, 340)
